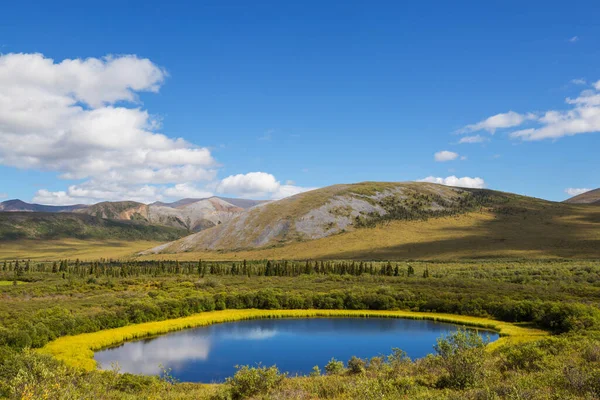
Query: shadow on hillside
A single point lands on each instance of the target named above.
(531, 234)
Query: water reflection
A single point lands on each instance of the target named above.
(295, 345)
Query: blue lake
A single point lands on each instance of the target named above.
(209, 354)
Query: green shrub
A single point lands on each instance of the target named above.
(526, 357)
(334, 367)
(251, 381)
(356, 365)
(462, 354)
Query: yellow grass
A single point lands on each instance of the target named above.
(547, 233)
(72, 249)
(78, 350)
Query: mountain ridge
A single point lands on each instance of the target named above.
(189, 213)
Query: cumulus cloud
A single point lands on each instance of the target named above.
(583, 116)
(81, 118)
(258, 185)
(445, 155)
(576, 191)
(472, 139)
(186, 190)
(465, 181)
(498, 121)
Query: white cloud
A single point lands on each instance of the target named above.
(465, 182)
(583, 116)
(473, 139)
(90, 192)
(498, 121)
(3, 195)
(257, 185)
(186, 190)
(576, 191)
(579, 81)
(71, 117)
(574, 39)
(445, 155)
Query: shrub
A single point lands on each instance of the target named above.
(526, 357)
(334, 367)
(462, 354)
(251, 381)
(356, 365)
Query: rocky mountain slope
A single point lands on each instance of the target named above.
(195, 216)
(336, 209)
(591, 197)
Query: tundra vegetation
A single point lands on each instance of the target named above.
(70, 297)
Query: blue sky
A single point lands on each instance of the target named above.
(272, 98)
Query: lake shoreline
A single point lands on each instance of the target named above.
(78, 350)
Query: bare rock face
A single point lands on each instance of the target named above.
(194, 216)
(332, 210)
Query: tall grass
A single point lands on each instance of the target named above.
(78, 350)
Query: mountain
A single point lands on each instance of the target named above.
(192, 214)
(121, 210)
(383, 220)
(18, 205)
(591, 197)
(38, 225)
(195, 216)
(242, 203)
(334, 209)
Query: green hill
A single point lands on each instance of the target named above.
(373, 220)
(35, 225)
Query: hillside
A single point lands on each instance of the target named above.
(242, 203)
(591, 197)
(193, 215)
(46, 226)
(18, 205)
(121, 210)
(399, 220)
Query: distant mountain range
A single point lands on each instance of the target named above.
(368, 220)
(191, 214)
(18, 205)
(591, 197)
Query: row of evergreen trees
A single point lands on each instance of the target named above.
(110, 268)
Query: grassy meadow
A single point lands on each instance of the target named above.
(71, 248)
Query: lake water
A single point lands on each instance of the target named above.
(209, 354)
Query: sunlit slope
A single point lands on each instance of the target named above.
(69, 248)
(591, 197)
(419, 221)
